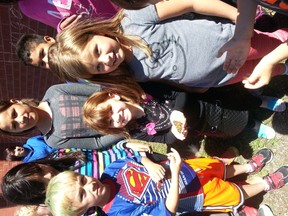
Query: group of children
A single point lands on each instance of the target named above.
(158, 41)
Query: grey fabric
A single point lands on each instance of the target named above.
(183, 50)
(68, 129)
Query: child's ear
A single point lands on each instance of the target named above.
(14, 101)
(49, 39)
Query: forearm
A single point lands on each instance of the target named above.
(277, 55)
(245, 19)
(172, 200)
(146, 162)
(215, 8)
(173, 8)
(97, 142)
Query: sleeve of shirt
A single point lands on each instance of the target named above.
(146, 15)
(180, 101)
(77, 89)
(98, 142)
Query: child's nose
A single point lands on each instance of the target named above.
(20, 119)
(107, 59)
(116, 117)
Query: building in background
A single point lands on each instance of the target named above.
(17, 80)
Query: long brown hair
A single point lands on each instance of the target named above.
(25, 184)
(63, 56)
(99, 118)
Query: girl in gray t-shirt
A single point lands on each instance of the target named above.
(157, 46)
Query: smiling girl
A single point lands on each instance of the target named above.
(167, 118)
(58, 117)
(158, 44)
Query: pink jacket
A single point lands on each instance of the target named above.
(51, 12)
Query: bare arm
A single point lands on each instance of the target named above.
(262, 73)
(277, 55)
(172, 8)
(238, 47)
(245, 19)
(172, 200)
(156, 171)
(69, 21)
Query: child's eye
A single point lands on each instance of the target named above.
(82, 195)
(82, 180)
(97, 51)
(99, 67)
(111, 122)
(42, 64)
(14, 126)
(13, 114)
(41, 53)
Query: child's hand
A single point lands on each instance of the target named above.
(70, 21)
(237, 52)
(175, 162)
(178, 121)
(138, 146)
(260, 76)
(156, 171)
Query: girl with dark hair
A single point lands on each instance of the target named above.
(34, 149)
(25, 184)
(58, 117)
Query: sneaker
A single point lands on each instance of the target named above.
(273, 104)
(260, 159)
(277, 179)
(265, 131)
(264, 210)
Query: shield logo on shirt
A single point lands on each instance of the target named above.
(136, 181)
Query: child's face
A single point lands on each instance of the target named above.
(18, 118)
(19, 151)
(87, 192)
(120, 112)
(102, 55)
(39, 55)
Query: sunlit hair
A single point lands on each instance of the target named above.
(56, 196)
(63, 56)
(25, 184)
(26, 44)
(9, 154)
(99, 118)
(5, 104)
(27, 210)
(131, 4)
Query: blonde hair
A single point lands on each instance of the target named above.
(99, 119)
(63, 56)
(29, 210)
(56, 196)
